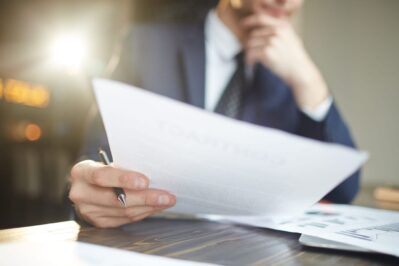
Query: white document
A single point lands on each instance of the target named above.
(214, 164)
(367, 228)
(382, 236)
(313, 241)
(363, 228)
(318, 218)
(72, 253)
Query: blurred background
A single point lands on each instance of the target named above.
(49, 50)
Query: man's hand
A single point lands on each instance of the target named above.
(275, 44)
(95, 201)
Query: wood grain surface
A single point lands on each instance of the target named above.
(203, 241)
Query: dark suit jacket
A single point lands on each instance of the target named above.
(170, 60)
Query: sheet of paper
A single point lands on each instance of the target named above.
(382, 236)
(367, 228)
(318, 242)
(320, 217)
(217, 165)
(67, 253)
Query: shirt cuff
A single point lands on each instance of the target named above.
(321, 111)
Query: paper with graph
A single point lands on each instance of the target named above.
(214, 164)
(318, 218)
(335, 226)
(367, 228)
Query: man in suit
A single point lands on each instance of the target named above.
(243, 60)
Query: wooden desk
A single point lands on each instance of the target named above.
(201, 241)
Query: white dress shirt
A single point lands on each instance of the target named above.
(221, 47)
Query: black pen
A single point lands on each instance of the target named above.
(120, 194)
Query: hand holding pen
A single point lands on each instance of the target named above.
(107, 196)
(120, 194)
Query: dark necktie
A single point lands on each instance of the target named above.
(230, 102)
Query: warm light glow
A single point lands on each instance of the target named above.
(21, 92)
(1, 89)
(69, 51)
(33, 132)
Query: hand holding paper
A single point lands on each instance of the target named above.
(217, 165)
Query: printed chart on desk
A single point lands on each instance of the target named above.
(388, 234)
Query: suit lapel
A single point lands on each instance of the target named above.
(193, 64)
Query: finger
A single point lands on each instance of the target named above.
(259, 20)
(150, 197)
(83, 193)
(110, 222)
(133, 213)
(108, 176)
(85, 212)
(89, 210)
(262, 32)
(254, 55)
(258, 42)
(145, 215)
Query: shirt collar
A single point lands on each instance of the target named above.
(219, 36)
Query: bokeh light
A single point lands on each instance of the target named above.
(33, 132)
(69, 51)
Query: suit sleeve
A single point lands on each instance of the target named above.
(125, 72)
(334, 130)
(95, 138)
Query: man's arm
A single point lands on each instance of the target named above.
(275, 44)
(332, 129)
